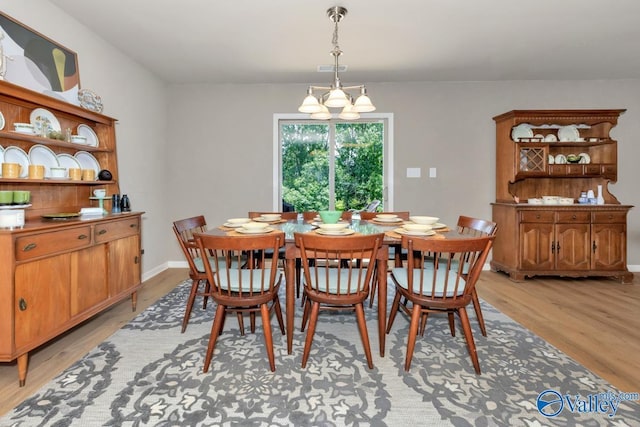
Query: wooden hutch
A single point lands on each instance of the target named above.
(573, 240)
(55, 274)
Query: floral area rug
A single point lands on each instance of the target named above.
(150, 374)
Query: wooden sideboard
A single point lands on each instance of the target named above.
(573, 240)
(55, 274)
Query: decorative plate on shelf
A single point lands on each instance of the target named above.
(523, 130)
(87, 132)
(42, 155)
(568, 133)
(39, 115)
(1, 121)
(89, 100)
(87, 161)
(1, 158)
(17, 155)
(68, 161)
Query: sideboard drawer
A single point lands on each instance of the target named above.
(569, 217)
(117, 229)
(605, 217)
(38, 245)
(537, 216)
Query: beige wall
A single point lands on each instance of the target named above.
(190, 149)
(132, 95)
(223, 166)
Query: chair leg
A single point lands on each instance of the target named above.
(394, 310)
(478, 310)
(452, 324)
(268, 337)
(298, 276)
(216, 327)
(241, 323)
(423, 323)
(252, 319)
(190, 301)
(471, 346)
(413, 332)
(362, 326)
(374, 286)
(207, 292)
(313, 320)
(278, 309)
(305, 313)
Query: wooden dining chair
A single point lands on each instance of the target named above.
(395, 251)
(337, 279)
(477, 227)
(184, 230)
(440, 277)
(251, 289)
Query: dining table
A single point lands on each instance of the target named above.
(392, 237)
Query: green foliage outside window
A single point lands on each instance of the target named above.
(358, 165)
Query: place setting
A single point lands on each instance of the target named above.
(268, 218)
(336, 229)
(246, 226)
(387, 219)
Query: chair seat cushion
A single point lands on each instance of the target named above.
(200, 266)
(333, 279)
(250, 282)
(401, 277)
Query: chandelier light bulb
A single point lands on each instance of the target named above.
(323, 114)
(337, 99)
(349, 113)
(310, 104)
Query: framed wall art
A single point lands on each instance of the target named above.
(31, 60)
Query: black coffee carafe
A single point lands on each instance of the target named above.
(125, 204)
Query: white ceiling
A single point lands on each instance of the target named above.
(283, 41)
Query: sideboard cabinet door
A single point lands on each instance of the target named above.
(41, 299)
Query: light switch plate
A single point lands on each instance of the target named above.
(432, 172)
(413, 172)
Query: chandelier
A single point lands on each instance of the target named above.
(336, 95)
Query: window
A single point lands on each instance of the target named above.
(334, 164)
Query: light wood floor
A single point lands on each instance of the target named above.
(596, 322)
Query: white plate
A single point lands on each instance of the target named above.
(232, 224)
(42, 155)
(17, 155)
(260, 219)
(438, 225)
(523, 130)
(28, 205)
(1, 158)
(414, 233)
(552, 159)
(255, 231)
(560, 159)
(87, 132)
(568, 133)
(585, 158)
(343, 232)
(550, 138)
(47, 116)
(25, 131)
(1, 121)
(87, 161)
(68, 161)
(392, 220)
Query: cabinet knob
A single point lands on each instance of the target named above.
(82, 236)
(101, 232)
(22, 304)
(573, 217)
(537, 216)
(594, 247)
(29, 247)
(133, 225)
(136, 259)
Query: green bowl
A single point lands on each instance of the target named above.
(330, 217)
(6, 197)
